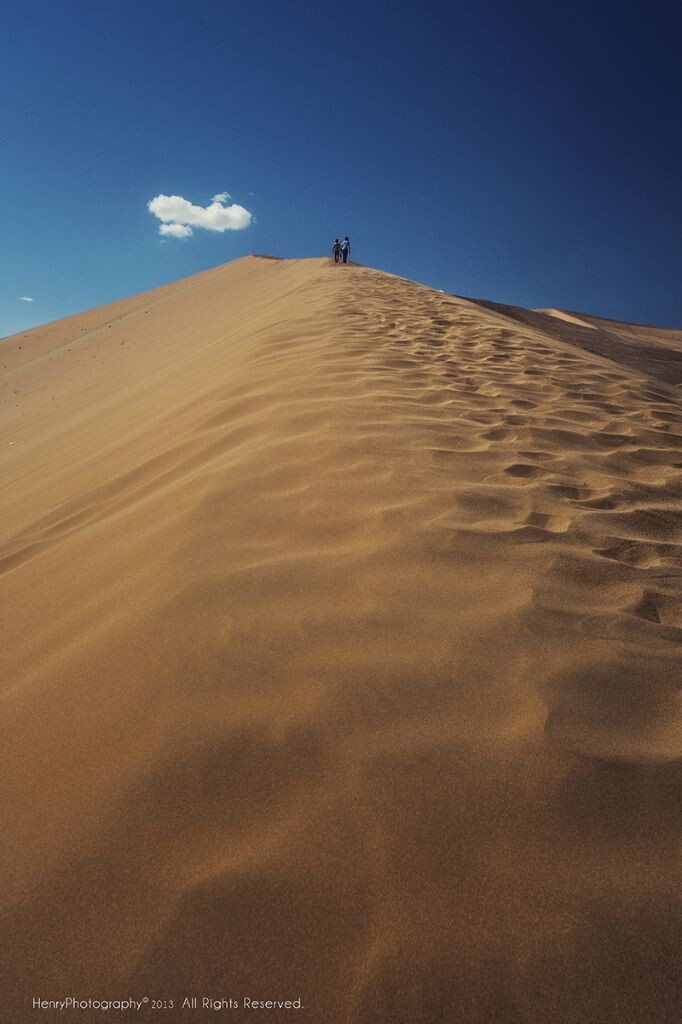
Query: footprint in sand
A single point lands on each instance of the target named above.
(538, 455)
(601, 504)
(498, 434)
(642, 555)
(573, 492)
(661, 607)
(525, 469)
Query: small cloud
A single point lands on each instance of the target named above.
(175, 230)
(25, 298)
(178, 216)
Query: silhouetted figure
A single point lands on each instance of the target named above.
(336, 250)
(345, 249)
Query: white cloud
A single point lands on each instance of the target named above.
(175, 230)
(25, 298)
(178, 216)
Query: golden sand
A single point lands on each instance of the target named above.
(341, 625)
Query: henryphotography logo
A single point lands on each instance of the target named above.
(72, 1003)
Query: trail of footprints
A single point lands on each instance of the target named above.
(586, 457)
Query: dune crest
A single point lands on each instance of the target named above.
(342, 624)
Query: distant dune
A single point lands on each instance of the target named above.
(341, 643)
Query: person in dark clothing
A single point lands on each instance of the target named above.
(336, 250)
(345, 249)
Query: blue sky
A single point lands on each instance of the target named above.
(526, 153)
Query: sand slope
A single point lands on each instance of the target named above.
(341, 627)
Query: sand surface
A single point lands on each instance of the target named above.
(341, 626)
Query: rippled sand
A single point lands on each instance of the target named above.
(341, 648)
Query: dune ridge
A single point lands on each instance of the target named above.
(342, 625)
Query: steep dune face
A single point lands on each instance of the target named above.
(341, 625)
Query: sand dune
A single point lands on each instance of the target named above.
(653, 351)
(341, 627)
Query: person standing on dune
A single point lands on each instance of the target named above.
(345, 249)
(336, 250)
